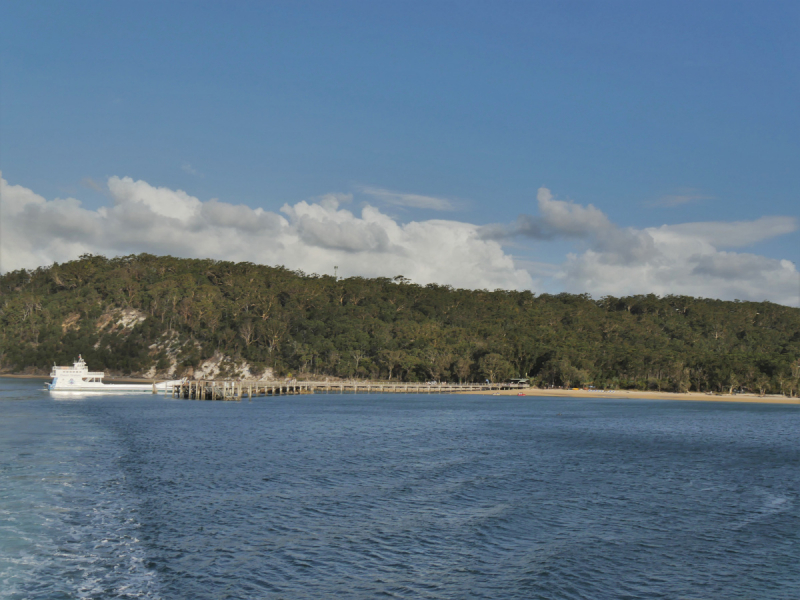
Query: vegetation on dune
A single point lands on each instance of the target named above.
(144, 313)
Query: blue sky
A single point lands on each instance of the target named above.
(654, 113)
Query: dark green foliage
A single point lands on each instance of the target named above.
(382, 328)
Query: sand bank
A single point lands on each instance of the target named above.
(769, 399)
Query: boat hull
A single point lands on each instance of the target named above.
(115, 388)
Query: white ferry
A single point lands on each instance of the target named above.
(78, 378)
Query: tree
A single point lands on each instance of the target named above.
(358, 355)
(463, 368)
(290, 320)
(247, 331)
(494, 367)
(762, 383)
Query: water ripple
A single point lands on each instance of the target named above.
(397, 497)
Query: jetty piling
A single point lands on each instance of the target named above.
(230, 390)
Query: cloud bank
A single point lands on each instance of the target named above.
(689, 258)
(698, 259)
(408, 200)
(309, 236)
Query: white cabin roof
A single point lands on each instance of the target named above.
(78, 369)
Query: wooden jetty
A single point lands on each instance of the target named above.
(238, 389)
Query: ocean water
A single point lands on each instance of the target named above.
(406, 496)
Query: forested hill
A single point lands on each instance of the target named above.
(154, 315)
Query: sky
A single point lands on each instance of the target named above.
(605, 148)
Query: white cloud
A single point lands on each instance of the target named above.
(334, 200)
(16, 198)
(563, 219)
(312, 236)
(686, 266)
(560, 217)
(408, 200)
(736, 234)
(556, 219)
(690, 258)
(324, 226)
(175, 204)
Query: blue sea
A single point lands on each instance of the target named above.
(396, 496)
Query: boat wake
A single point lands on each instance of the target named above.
(69, 528)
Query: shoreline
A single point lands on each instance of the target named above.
(637, 395)
(551, 393)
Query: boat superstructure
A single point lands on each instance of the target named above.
(78, 378)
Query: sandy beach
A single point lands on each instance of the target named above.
(693, 396)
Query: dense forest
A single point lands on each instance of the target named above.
(158, 315)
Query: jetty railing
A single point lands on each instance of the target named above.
(239, 389)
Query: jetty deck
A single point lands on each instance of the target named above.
(237, 390)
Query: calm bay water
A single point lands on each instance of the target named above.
(396, 496)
